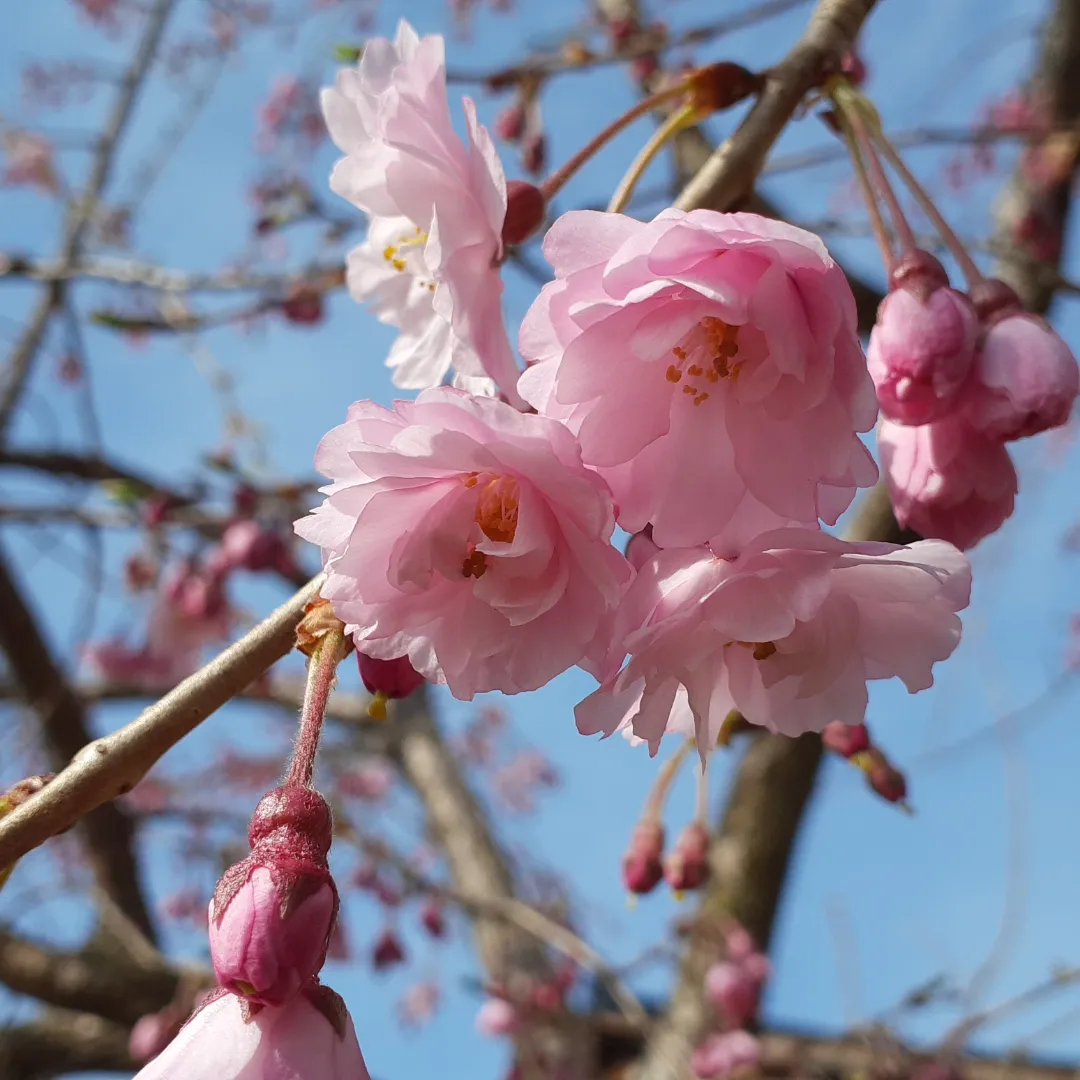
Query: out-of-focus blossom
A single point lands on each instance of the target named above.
(387, 951)
(497, 1017)
(722, 1055)
(28, 161)
(370, 780)
(787, 635)
(419, 1003)
(467, 536)
(710, 365)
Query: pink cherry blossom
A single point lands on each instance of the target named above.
(788, 634)
(732, 991)
(709, 363)
(437, 206)
(467, 536)
(947, 480)
(721, 1055)
(1026, 379)
(497, 1017)
(921, 350)
(310, 1038)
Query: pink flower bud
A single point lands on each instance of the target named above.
(722, 1055)
(1026, 379)
(687, 867)
(269, 935)
(432, 918)
(642, 866)
(497, 1017)
(923, 343)
(525, 210)
(884, 779)
(847, 740)
(387, 951)
(732, 991)
(247, 545)
(510, 122)
(947, 481)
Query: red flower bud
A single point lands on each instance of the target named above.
(687, 867)
(387, 951)
(847, 740)
(387, 680)
(432, 918)
(642, 866)
(525, 209)
(303, 306)
(733, 992)
(884, 779)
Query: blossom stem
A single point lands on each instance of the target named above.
(682, 118)
(654, 804)
(901, 226)
(555, 182)
(326, 654)
(701, 801)
(877, 223)
(971, 272)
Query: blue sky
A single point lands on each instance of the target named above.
(878, 901)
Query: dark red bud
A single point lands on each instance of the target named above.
(919, 272)
(719, 86)
(387, 951)
(303, 306)
(642, 864)
(994, 300)
(296, 814)
(687, 867)
(525, 211)
(847, 740)
(392, 679)
(432, 919)
(884, 779)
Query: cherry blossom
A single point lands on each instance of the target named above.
(710, 366)
(467, 536)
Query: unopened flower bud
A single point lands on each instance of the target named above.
(687, 866)
(510, 122)
(1026, 377)
(534, 154)
(303, 306)
(272, 914)
(720, 1056)
(884, 779)
(387, 680)
(733, 992)
(847, 740)
(432, 918)
(497, 1017)
(923, 343)
(387, 951)
(525, 210)
(643, 863)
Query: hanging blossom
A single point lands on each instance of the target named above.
(437, 206)
(787, 634)
(469, 537)
(710, 365)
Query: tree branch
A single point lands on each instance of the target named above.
(112, 765)
(61, 1042)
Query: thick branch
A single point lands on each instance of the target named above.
(61, 1042)
(730, 173)
(112, 765)
(108, 832)
(1032, 215)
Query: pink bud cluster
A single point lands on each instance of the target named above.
(958, 376)
(733, 988)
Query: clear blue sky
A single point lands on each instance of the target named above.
(913, 897)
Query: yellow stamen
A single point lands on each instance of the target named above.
(377, 706)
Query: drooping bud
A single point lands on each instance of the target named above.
(387, 950)
(687, 866)
(719, 86)
(496, 1018)
(643, 865)
(720, 1056)
(525, 210)
(885, 780)
(509, 123)
(433, 919)
(1026, 378)
(387, 680)
(923, 343)
(272, 914)
(733, 992)
(847, 740)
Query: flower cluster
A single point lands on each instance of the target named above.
(696, 379)
(958, 376)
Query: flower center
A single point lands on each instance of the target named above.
(704, 356)
(762, 649)
(496, 505)
(397, 255)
